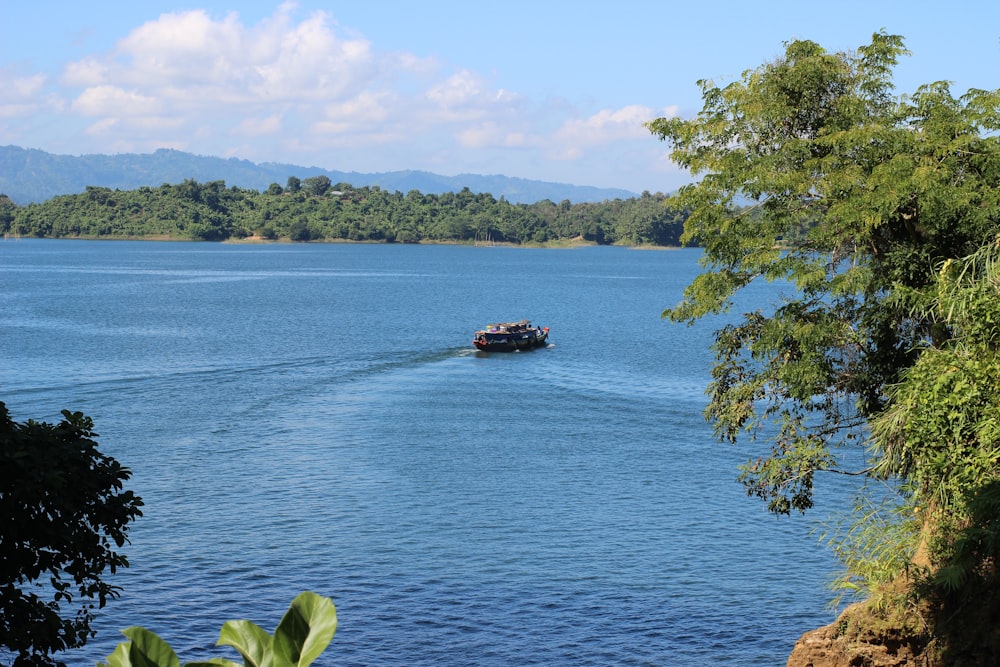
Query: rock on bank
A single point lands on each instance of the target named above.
(844, 643)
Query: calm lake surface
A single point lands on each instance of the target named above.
(314, 417)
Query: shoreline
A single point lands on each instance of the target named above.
(565, 244)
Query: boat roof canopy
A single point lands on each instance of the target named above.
(523, 324)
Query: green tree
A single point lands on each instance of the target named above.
(316, 186)
(63, 514)
(856, 197)
(890, 187)
(7, 209)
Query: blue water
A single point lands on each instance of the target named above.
(314, 417)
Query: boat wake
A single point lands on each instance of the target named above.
(579, 377)
(285, 378)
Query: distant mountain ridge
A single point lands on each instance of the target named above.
(30, 175)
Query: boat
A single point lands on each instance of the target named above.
(510, 337)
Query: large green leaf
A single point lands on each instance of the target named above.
(145, 649)
(119, 658)
(305, 630)
(303, 634)
(249, 639)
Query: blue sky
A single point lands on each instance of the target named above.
(554, 91)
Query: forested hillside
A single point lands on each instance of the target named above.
(314, 209)
(31, 176)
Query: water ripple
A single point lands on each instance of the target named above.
(315, 418)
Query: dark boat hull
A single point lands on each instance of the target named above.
(513, 342)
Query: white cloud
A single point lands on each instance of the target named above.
(86, 72)
(492, 135)
(25, 96)
(103, 127)
(256, 127)
(412, 64)
(579, 136)
(301, 89)
(368, 108)
(480, 136)
(117, 128)
(307, 61)
(461, 89)
(115, 102)
(608, 125)
(26, 87)
(198, 64)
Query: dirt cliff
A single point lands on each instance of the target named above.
(854, 640)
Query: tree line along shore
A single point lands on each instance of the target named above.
(314, 209)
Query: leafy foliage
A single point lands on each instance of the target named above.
(856, 196)
(63, 514)
(941, 431)
(938, 442)
(882, 215)
(314, 209)
(302, 635)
